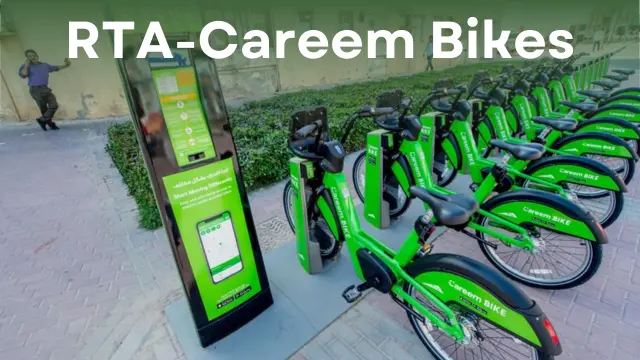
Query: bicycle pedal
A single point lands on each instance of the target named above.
(351, 294)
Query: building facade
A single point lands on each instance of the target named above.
(91, 88)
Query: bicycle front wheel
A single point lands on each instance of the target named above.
(558, 261)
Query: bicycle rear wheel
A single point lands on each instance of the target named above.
(483, 338)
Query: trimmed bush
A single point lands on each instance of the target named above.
(260, 130)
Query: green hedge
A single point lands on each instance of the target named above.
(260, 130)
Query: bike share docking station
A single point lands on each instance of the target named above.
(376, 207)
(307, 238)
(380, 142)
(231, 309)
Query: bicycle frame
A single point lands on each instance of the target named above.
(356, 239)
(474, 163)
(420, 170)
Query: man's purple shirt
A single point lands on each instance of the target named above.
(38, 74)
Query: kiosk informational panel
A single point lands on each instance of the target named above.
(182, 126)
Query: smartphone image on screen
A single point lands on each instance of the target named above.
(218, 238)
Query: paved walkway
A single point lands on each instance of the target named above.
(79, 280)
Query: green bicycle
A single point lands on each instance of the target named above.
(457, 306)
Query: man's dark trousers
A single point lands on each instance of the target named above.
(429, 63)
(46, 102)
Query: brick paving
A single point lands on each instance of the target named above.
(72, 261)
(79, 280)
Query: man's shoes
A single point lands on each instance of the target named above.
(53, 126)
(42, 124)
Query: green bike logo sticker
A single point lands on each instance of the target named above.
(337, 203)
(467, 148)
(525, 115)
(500, 118)
(579, 175)
(546, 216)
(626, 114)
(604, 128)
(599, 147)
(416, 168)
(434, 287)
(543, 100)
(478, 300)
(509, 214)
(372, 151)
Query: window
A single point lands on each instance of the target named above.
(305, 19)
(5, 23)
(346, 20)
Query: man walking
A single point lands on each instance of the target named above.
(428, 52)
(598, 38)
(38, 74)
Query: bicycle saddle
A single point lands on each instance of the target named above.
(564, 124)
(520, 151)
(627, 72)
(608, 85)
(390, 120)
(582, 107)
(481, 94)
(449, 210)
(594, 94)
(616, 77)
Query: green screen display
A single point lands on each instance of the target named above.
(220, 247)
(182, 110)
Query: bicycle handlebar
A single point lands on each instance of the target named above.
(368, 111)
(305, 131)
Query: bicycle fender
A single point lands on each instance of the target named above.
(328, 211)
(626, 91)
(625, 99)
(533, 105)
(484, 133)
(513, 119)
(402, 171)
(547, 210)
(627, 112)
(619, 127)
(575, 169)
(451, 148)
(485, 292)
(595, 142)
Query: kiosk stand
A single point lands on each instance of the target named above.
(183, 129)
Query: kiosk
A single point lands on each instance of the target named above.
(183, 129)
